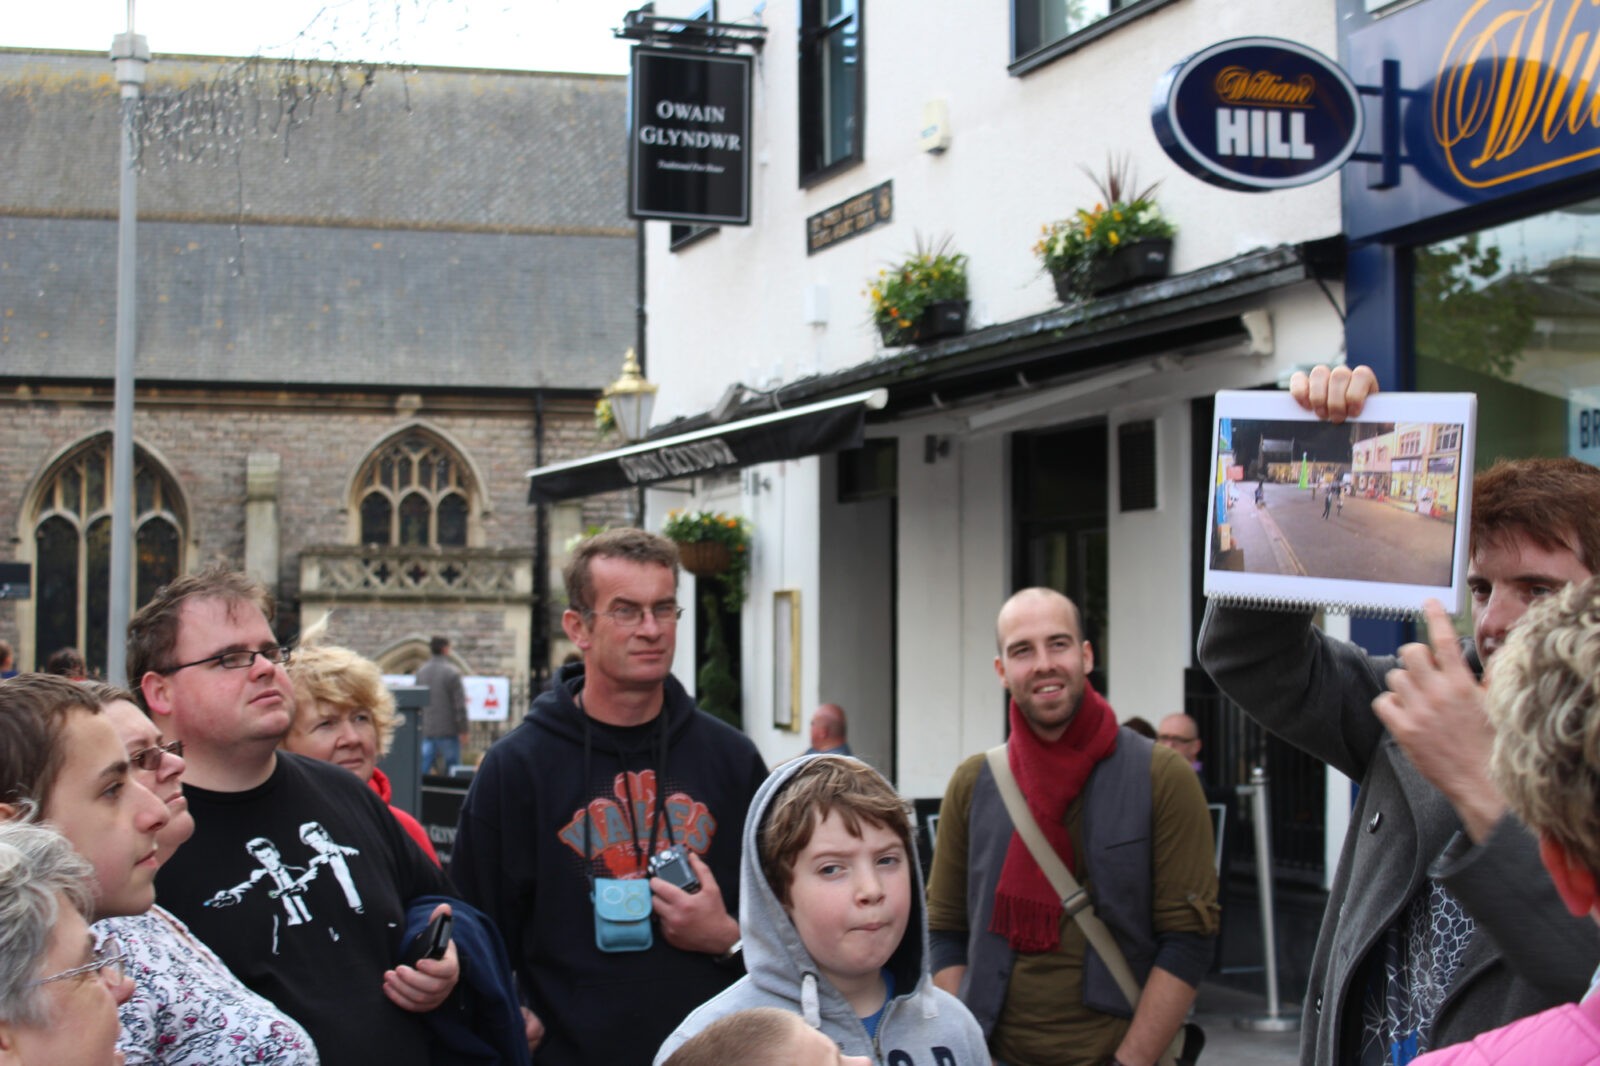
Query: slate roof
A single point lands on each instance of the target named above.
(458, 228)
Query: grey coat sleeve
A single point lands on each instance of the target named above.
(1503, 885)
(1310, 689)
(458, 700)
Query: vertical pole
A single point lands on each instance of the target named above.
(1273, 1022)
(129, 55)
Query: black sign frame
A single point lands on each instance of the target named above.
(689, 137)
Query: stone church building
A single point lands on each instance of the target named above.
(369, 301)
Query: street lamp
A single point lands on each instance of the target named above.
(632, 399)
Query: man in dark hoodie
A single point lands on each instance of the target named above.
(611, 768)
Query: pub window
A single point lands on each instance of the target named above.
(414, 491)
(72, 547)
(830, 87)
(1042, 30)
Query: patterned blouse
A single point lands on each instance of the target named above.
(188, 1009)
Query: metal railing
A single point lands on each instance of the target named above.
(1234, 746)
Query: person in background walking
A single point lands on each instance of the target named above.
(444, 722)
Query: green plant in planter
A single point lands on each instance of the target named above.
(1073, 249)
(732, 531)
(902, 291)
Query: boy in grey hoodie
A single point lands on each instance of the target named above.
(833, 923)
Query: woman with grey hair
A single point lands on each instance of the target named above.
(59, 988)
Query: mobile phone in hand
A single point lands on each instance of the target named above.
(430, 943)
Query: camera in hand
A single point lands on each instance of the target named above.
(672, 866)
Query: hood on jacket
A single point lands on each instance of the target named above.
(774, 956)
(557, 711)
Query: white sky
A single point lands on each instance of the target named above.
(564, 35)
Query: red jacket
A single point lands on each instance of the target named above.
(380, 784)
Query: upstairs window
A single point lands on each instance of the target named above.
(414, 492)
(1043, 30)
(830, 87)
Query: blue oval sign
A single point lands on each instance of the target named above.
(1257, 113)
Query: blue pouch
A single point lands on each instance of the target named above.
(621, 914)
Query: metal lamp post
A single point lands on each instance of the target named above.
(129, 55)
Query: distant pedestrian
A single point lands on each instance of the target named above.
(444, 721)
(67, 663)
(1340, 499)
(1261, 494)
(1327, 501)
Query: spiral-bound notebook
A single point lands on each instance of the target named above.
(1367, 517)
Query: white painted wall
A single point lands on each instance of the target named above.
(729, 307)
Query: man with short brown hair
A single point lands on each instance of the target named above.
(612, 768)
(1440, 922)
(321, 945)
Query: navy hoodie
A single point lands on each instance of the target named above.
(521, 857)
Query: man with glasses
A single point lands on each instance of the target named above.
(613, 774)
(1182, 734)
(210, 671)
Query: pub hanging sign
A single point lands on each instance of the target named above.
(689, 132)
(1257, 113)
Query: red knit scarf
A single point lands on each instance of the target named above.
(1027, 911)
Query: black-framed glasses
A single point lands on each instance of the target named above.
(108, 955)
(150, 758)
(629, 615)
(234, 660)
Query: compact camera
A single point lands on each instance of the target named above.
(672, 866)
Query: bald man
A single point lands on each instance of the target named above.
(1182, 734)
(827, 731)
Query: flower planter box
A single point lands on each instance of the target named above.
(1131, 264)
(705, 558)
(941, 318)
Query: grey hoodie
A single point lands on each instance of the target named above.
(921, 1026)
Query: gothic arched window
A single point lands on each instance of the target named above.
(414, 492)
(72, 547)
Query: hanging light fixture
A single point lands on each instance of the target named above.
(632, 397)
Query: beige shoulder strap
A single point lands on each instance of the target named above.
(1074, 898)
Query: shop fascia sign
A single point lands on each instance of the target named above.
(1258, 113)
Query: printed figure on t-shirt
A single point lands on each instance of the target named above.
(331, 854)
(283, 876)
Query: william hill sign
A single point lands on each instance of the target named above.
(1257, 113)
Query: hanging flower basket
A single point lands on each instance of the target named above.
(713, 546)
(1123, 240)
(705, 558)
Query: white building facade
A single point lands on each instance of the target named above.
(1050, 444)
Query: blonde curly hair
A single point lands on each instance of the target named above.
(1544, 703)
(340, 678)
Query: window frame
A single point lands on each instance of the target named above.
(1048, 52)
(416, 444)
(814, 116)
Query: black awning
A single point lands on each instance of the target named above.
(828, 426)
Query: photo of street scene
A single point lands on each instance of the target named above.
(1364, 501)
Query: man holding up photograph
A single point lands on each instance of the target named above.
(1440, 924)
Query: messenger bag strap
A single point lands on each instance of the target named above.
(1074, 897)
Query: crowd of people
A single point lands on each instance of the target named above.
(630, 883)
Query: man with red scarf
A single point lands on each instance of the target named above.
(1128, 818)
